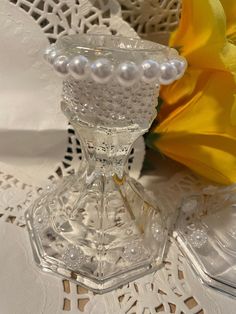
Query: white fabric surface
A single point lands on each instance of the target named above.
(23, 290)
(32, 128)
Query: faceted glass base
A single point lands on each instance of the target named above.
(101, 232)
(206, 234)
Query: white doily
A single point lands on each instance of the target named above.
(58, 18)
(33, 141)
(172, 289)
(152, 19)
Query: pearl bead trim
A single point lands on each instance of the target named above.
(127, 73)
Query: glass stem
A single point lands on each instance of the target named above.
(105, 153)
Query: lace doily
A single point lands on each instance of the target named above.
(58, 18)
(24, 289)
(152, 19)
(172, 289)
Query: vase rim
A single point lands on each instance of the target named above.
(112, 43)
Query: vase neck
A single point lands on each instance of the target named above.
(105, 152)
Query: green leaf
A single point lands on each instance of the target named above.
(150, 140)
(159, 104)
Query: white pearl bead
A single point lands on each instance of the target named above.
(173, 53)
(60, 64)
(52, 55)
(127, 73)
(78, 67)
(151, 71)
(180, 64)
(168, 73)
(101, 70)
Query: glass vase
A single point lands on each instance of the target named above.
(98, 227)
(206, 234)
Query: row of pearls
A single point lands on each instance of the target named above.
(127, 73)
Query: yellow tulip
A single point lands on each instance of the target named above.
(204, 34)
(230, 12)
(203, 38)
(197, 122)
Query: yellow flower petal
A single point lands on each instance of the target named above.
(209, 110)
(207, 34)
(230, 11)
(201, 33)
(233, 112)
(198, 120)
(205, 159)
(176, 94)
(228, 56)
(202, 134)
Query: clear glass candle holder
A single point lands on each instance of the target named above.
(98, 227)
(206, 234)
